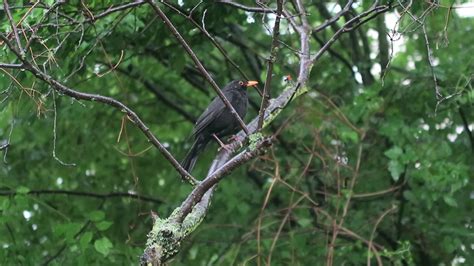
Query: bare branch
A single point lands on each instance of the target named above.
(334, 18)
(117, 8)
(302, 11)
(13, 66)
(55, 134)
(273, 53)
(305, 57)
(349, 26)
(465, 123)
(246, 8)
(39, 192)
(4, 146)
(13, 25)
(377, 256)
(429, 53)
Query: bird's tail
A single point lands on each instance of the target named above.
(193, 153)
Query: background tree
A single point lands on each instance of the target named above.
(360, 150)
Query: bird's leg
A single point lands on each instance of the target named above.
(223, 146)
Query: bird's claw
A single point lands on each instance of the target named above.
(234, 138)
(225, 147)
(221, 144)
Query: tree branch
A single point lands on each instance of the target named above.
(333, 53)
(4, 146)
(334, 18)
(349, 25)
(465, 123)
(384, 46)
(273, 54)
(13, 25)
(117, 8)
(39, 192)
(246, 8)
(12, 66)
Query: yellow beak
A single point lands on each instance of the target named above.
(251, 83)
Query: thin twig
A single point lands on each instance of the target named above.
(465, 123)
(271, 60)
(131, 195)
(377, 256)
(347, 27)
(117, 8)
(246, 8)
(13, 25)
(334, 18)
(55, 118)
(10, 133)
(12, 66)
(431, 64)
(280, 228)
(4, 146)
(338, 225)
(260, 216)
(378, 193)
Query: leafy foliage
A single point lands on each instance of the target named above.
(369, 162)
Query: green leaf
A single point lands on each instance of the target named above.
(104, 225)
(409, 196)
(85, 240)
(450, 201)
(96, 216)
(396, 169)
(21, 201)
(350, 136)
(304, 222)
(49, 2)
(103, 246)
(68, 230)
(193, 252)
(22, 190)
(394, 153)
(72, 229)
(5, 203)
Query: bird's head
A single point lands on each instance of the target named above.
(239, 84)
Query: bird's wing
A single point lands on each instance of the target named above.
(215, 108)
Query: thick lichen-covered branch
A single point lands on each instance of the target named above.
(164, 240)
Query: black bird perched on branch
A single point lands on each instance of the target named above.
(217, 120)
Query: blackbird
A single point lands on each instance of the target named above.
(217, 121)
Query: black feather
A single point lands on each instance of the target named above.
(217, 119)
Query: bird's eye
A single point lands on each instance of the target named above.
(241, 83)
